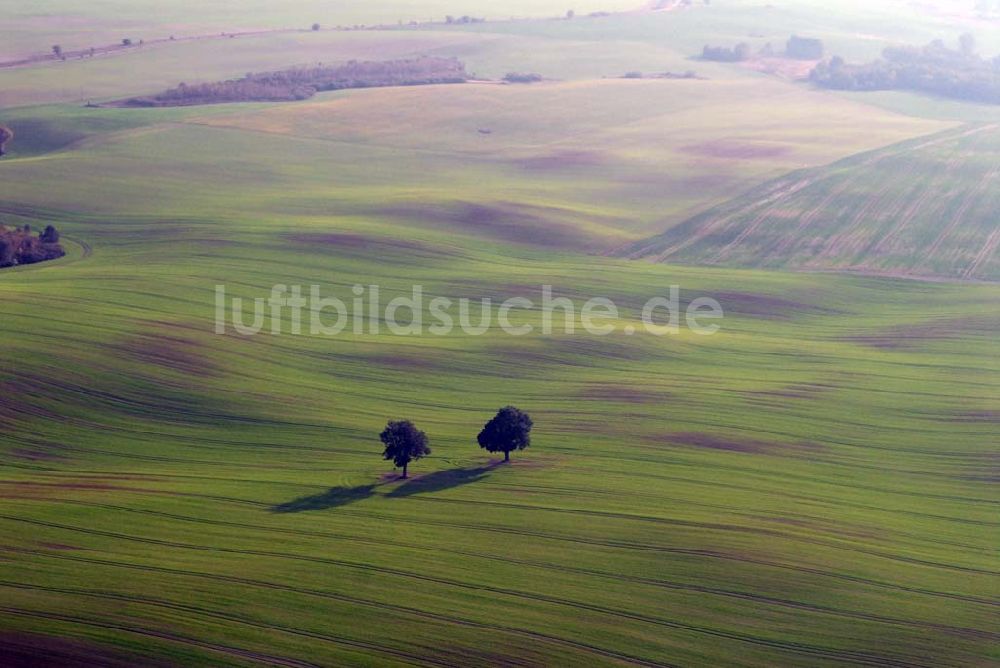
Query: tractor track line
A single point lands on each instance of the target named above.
(861, 658)
(347, 599)
(710, 554)
(665, 584)
(162, 635)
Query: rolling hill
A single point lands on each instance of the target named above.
(926, 207)
(814, 485)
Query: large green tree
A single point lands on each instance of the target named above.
(509, 430)
(404, 443)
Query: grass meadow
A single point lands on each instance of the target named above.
(924, 207)
(814, 485)
(33, 27)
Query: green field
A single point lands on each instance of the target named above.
(34, 27)
(927, 207)
(814, 485)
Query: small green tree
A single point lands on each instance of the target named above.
(509, 430)
(57, 51)
(6, 252)
(50, 235)
(404, 443)
(316, 27)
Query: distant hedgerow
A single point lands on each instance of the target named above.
(303, 82)
(6, 134)
(961, 74)
(18, 246)
(520, 77)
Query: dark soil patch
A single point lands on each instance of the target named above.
(712, 442)
(59, 547)
(31, 650)
(507, 222)
(989, 417)
(16, 402)
(42, 490)
(582, 349)
(34, 136)
(910, 336)
(623, 394)
(360, 242)
(735, 150)
(708, 181)
(37, 455)
(735, 444)
(990, 479)
(136, 232)
(824, 526)
(794, 391)
(767, 307)
(168, 348)
(401, 362)
(563, 160)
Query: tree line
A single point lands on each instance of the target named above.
(301, 83)
(798, 48)
(19, 246)
(523, 77)
(507, 431)
(937, 69)
(6, 134)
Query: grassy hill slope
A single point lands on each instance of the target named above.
(923, 208)
(813, 485)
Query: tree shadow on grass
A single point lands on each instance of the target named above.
(342, 496)
(332, 498)
(441, 480)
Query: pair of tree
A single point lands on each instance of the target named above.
(509, 430)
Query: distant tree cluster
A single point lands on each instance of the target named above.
(799, 48)
(304, 82)
(804, 48)
(988, 7)
(722, 54)
(6, 134)
(522, 77)
(462, 20)
(689, 74)
(957, 73)
(19, 246)
(507, 431)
